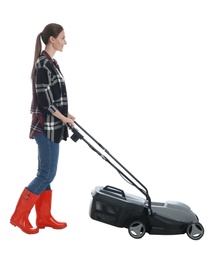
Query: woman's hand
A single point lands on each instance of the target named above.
(71, 116)
(67, 120)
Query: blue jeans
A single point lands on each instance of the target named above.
(48, 153)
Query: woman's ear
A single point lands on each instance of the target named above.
(51, 39)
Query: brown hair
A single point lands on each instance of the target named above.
(52, 29)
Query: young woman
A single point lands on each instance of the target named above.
(50, 117)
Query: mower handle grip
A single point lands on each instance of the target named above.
(115, 190)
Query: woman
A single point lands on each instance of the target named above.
(50, 117)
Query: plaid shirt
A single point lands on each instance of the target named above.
(49, 94)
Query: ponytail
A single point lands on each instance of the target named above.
(36, 53)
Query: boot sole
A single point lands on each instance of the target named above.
(32, 232)
(42, 227)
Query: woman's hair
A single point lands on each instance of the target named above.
(52, 29)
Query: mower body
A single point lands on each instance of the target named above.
(113, 206)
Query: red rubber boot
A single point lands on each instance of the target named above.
(23, 208)
(43, 211)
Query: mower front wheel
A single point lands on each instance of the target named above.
(137, 229)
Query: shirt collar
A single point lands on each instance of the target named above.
(46, 55)
(49, 58)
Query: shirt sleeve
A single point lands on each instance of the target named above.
(44, 86)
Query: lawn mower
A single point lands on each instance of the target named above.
(140, 215)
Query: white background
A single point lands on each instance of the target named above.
(139, 78)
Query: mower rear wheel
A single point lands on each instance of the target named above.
(195, 230)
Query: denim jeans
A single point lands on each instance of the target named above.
(48, 153)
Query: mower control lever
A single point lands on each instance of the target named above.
(76, 134)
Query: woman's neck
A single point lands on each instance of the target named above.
(50, 51)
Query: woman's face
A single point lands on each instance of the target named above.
(59, 42)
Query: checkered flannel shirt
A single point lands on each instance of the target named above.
(49, 94)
